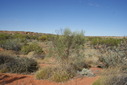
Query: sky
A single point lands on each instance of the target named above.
(95, 17)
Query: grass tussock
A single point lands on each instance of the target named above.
(57, 74)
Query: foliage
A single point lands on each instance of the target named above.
(31, 47)
(43, 38)
(11, 44)
(114, 56)
(4, 36)
(67, 43)
(112, 76)
(23, 36)
(23, 65)
(61, 76)
(44, 73)
(57, 74)
(5, 59)
(119, 79)
(20, 36)
(36, 55)
(50, 36)
(68, 48)
(17, 64)
(77, 63)
(96, 41)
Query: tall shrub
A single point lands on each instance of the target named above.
(67, 44)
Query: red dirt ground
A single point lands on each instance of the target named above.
(18, 79)
(1, 49)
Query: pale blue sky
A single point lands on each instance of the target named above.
(95, 17)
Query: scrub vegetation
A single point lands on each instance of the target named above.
(64, 56)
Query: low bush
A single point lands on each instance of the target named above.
(31, 47)
(119, 79)
(17, 64)
(57, 74)
(22, 65)
(112, 76)
(50, 36)
(11, 44)
(44, 73)
(61, 76)
(4, 36)
(43, 38)
(20, 36)
(36, 55)
(3, 68)
(78, 63)
(104, 41)
(6, 59)
(115, 56)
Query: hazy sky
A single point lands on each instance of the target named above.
(95, 17)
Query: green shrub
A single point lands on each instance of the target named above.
(104, 41)
(31, 47)
(43, 38)
(17, 64)
(34, 37)
(67, 43)
(50, 36)
(20, 36)
(61, 76)
(119, 79)
(115, 56)
(113, 76)
(6, 59)
(57, 74)
(24, 36)
(44, 73)
(4, 36)
(3, 68)
(11, 44)
(22, 65)
(78, 63)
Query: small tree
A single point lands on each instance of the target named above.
(67, 44)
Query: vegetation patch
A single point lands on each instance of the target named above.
(31, 47)
(115, 56)
(57, 74)
(11, 44)
(44, 73)
(104, 41)
(112, 76)
(43, 38)
(17, 64)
